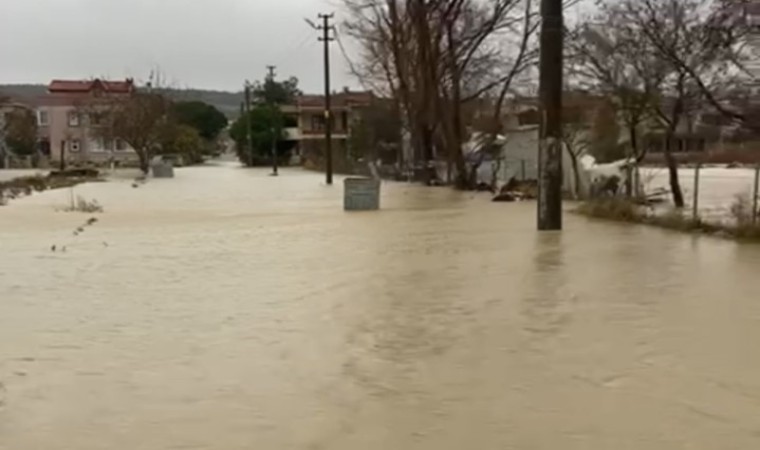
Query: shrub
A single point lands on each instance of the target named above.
(613, 208)
(743, 214)
(675, 219)
(81, 204)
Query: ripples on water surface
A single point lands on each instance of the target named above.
(225, 309)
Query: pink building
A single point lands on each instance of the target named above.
(66, 129)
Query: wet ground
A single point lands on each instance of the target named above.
(226, 309)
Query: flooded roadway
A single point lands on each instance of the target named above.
(229, 310)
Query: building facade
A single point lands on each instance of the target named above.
(69, 128)
(306, 124)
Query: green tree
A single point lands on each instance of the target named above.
(266, 127)
(204, 118)
(275, 92)
(21, 132)
(183, 140)
(376, 133)
(140, 119)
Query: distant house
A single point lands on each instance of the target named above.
(700, 133)
(68, 131)
(306, 124)
(519, 123)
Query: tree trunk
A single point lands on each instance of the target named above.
(144, 159)
(462, 178)
(576, 175)
(675, 185)
(634, 138)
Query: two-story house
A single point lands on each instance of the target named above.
(68, 129)
(308, 123)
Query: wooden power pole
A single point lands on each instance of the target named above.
(275, 114)
(550, 139)
(326, 28)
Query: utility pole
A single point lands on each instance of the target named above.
(326, 28)
(274, 112)
(249, 144)
(550, 139)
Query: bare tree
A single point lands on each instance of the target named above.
(707, 41)
(575, 139)
(610, 60)
(436, 56)
(684, 38)
(140, 119)
(662, 61)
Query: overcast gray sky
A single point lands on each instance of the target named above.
(212, 44)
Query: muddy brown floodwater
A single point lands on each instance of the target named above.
(226, 309)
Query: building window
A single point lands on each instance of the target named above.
(317, 123)
(120, 145)
(73, 119)
(529, 117)
(102, 145)
(74, 146)
(43, 119)
(97, 145)
(96, 119)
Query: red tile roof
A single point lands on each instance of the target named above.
(339, 100)
(86, 86)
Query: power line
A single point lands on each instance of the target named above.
(292, 53)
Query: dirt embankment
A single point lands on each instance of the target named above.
(22, 186)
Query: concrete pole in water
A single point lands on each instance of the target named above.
(755, 196)
(326, 28)
(550, 138)
(695, 209)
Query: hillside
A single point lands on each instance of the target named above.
(227, 102)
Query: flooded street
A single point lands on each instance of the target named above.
(226, 309)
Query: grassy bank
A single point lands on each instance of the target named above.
(740, 226)
(23, 186)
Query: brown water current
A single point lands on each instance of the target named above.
(226, 309)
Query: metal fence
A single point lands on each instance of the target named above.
(710, 192)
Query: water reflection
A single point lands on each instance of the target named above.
(548, 307)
